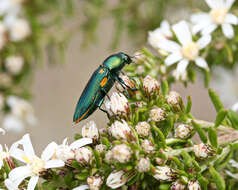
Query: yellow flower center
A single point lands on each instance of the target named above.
(37, 164)
(190, 51)
(218, 15)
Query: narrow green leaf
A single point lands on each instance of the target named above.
(233, 117)
(133, 179)
(203, 182)
(189, 105)
(187, 159)
(206, 78)
(225, 161)
(200, 132)
(215, 100)
(220, 117)
(106, 142)
(219, 181)
(212, 135)
(165, 87)
(160, 135)
(177, 162)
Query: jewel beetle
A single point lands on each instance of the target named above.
(99, 85)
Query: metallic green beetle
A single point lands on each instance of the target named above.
(99, 85)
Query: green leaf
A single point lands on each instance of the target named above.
(133, 179)
(203, 182)
(233, 117)
(68, 178)
(225, 161)
(219, 181)
(200, 131)
(164, 186)
(206, 78)
(165, 87)
(212, 135)
(189, 105)
(106, 142)
(160, 136)
(215, 100)
(82, 176)
(220, 117)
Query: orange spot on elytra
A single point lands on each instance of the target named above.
(103, 82)
(78, 120)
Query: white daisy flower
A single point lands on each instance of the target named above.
(161, 33)
(34, 164)
(218, 16)
(187, 51)
(235, 107)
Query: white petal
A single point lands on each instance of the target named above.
(209, 29)
(32, 183)
(235, 107)
(211, 3)
(201, 63)
(17, 175)
(17, 154)
(49, 151)
(81, 142)
(228, 30)
(235, 176)
(173, 58)
(182, 32)
(10, 185)
(2, 131)
(27, 145)
(229, 3)
(200, 18)
(231, 19)
(182, 65)
(81, 187)
(1, 149)
(165, 28)
(54, 164)
(204, 41)
(169, 46)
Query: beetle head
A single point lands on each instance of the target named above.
(117, 61)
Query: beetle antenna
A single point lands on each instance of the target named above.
(134, 56)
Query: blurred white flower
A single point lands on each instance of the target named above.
(10, 7)
(2, 131)
(121, 153)
(163, 32)
(183, 131)
(34, 165)
(194, 185)
(116, 179)
(235, 107)
(10, 185)
(147, 146)
(120, 130)
(118, 104)
(100, 148)
(3, 35)
(5, 80)
(5, 154)
(233, 175)
(90, 130)
(164, 173)
(188, 51)
(81, 187)
(177, 185)
(174, 98)
(218, 16)
(14, 64)
(18, 28)
(143, 165)
(21, 113)
(84, 155)
(224, 82)
(66, 152)
(143, 129)
(108, 157)
(94, 182)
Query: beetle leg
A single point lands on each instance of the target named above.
(106, 94)
(121, 81)
(125, 90)
(105, 111)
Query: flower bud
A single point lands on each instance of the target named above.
(120, 130)
(183, 131)
(108, 157)
(177, 185)
(143, 129)
(160, 161)
(84, 155)
(64, 152)
(118, 105)
(94, 182)
(193, 185)
(143, 165)
(139, 56)
(164, 173)
(121, 153)
(147, 146)
(174, 99)
(203, 151)
(157, 114)
(116, 179)
(101, 148)
(90, 131)
(129, 82)
(150, 85)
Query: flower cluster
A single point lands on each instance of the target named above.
(151, 146)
